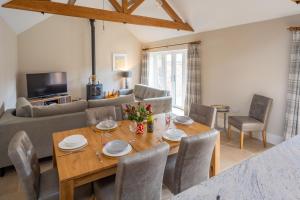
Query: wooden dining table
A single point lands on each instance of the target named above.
(90, 164)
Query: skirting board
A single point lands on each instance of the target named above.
(271, 138)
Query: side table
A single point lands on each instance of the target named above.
(225, 110)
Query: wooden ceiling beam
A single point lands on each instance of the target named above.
(136, 4)
(169, 10)
(116, 5)
(71, 2)
(125, 6)
(93, 13)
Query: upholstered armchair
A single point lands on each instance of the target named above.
(255, 121)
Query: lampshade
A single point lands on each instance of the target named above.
(126, 74)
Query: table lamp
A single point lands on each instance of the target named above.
(126, 75)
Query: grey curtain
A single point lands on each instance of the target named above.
(292, 117)
(193, 86)
(145, 68)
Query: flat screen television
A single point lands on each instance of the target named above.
(46, 84)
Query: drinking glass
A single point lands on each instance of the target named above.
(168, 120)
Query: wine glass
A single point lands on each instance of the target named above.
(168, 120)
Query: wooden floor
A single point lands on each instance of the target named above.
(10, 188)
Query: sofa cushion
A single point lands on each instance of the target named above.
(139, 91)
(23, 107)
(111, 102)
(58, 109)
(2, 109)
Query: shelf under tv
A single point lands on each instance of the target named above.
(58, 99)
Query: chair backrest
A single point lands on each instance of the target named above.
(139, 177)
(203, 114)
(96, 115)
(193, 160)
(23, 156)
(260, 108)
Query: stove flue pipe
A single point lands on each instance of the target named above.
(93, 39)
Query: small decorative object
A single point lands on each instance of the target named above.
(111, 95)
(140, 128)
(119, 61)
(150, 123)
(126, 75)
(138, 114)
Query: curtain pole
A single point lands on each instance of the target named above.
(171, 45)
(294, 28)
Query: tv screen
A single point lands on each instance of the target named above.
(46, 84)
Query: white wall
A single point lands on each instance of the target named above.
(8, 65)
(240, 61)
(63, 44)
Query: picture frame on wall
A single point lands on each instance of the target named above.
(119, 61)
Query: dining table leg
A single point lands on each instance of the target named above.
(53, 157)
(66, 190)
(215, 161)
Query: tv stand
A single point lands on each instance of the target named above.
(51, 100)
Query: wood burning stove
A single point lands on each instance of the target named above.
(94, 90)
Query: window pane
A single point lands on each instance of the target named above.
(178, 80)
(169, 72)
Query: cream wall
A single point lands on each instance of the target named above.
(63, 44)
(8, 65)
(240, 61)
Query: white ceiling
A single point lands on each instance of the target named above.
(203, 15)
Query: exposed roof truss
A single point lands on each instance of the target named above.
(123, 12)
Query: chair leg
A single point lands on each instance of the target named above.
(241, 139)
(250, 134)
(264, 138)
(2, 172)
(229, 132)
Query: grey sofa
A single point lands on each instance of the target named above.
(41, 122)
(160, 100)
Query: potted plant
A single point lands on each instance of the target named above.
(138, 114)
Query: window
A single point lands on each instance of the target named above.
(167, 70)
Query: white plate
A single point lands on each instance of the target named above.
(125, 152)
(73, 140)
(73, 150)
(189, 122)
(102, 126)
(66, 146)
(174, 135)
(116, 146)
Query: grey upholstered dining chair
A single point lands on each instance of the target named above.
(191, 165)
(96, 115)
(42, 186)
(203, 114)
(255, 121)
(138, 177)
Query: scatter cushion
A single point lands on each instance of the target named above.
(139, 91)
(111, 102)
(153, 93)
(23, 107)
(58, 109)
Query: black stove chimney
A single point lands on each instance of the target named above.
(94, 90)
(92, 23)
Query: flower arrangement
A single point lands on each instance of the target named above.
(138, 113)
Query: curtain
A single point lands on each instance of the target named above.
(193, 85)
(292, 118)
(145, 68)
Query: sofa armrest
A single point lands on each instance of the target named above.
(160, 104)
